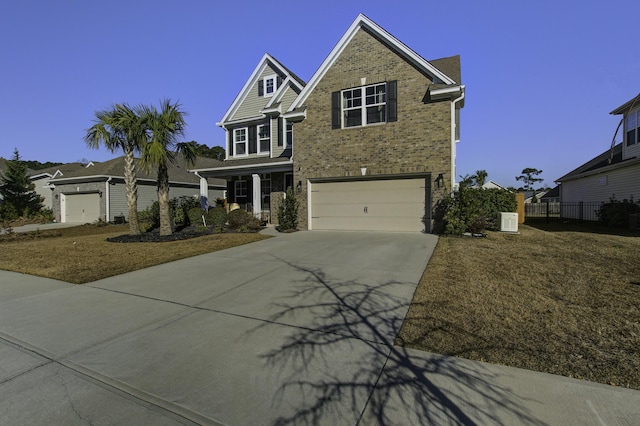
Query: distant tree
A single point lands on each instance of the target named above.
(17, 191)
(529, 178)
(36, 165)
(215, 152)
(120, 128)
(164, 128)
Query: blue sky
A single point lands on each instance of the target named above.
(541, 76)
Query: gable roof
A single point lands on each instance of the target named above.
(267, 60)
(599, 162)
(627, 106)
(59, 170)
(363, 23)
(178, 173)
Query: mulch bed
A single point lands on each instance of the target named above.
(154, 236)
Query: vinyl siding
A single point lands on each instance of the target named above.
(275, 129)
(623, 183)
(630, 151)
(252, 103)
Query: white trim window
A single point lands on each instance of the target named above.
(240, 142)
(289, 134)
(270, 84)
(264, 138)
(632, 128)
(357, 111)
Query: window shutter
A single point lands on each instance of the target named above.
(278, 81)
(230, 144)
(253, 142)
(260, 87)
(335, 110)
(392, 100)
(281, 130)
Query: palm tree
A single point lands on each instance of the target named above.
(120, 128)
(164, 128)
(481, 177)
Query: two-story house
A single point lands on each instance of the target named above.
(615, 172)
(369, 143)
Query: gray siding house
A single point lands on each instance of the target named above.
(369, 143)
(97, 192)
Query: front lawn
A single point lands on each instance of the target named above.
(82, 254)
(560, 301)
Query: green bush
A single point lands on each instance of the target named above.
(616, 213)
(472, 210)
(179, 209)
(195, 216)
(288, 211)
(242, 221)
(216, 217)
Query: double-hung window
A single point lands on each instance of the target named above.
(264, 138)
(289, 133)
(240, 141)
(364, 105)
(632, 127)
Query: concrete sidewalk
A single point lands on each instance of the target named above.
(297, 329)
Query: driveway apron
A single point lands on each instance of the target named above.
(296, 329)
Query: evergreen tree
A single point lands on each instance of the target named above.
(19, 197)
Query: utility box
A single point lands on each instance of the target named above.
(508, 221)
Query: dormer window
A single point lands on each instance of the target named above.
(632, 127)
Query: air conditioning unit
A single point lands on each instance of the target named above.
(508, 221)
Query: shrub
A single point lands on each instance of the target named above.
(179, 209)
(195, 216)
(216, 217)
(616, 213)
(472, 210)
(288, 211)
(242, 221)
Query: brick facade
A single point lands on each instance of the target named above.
(418, 142)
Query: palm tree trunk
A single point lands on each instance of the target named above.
(131, 189)
(163, 200)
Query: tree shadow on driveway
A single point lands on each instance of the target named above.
(373, 382)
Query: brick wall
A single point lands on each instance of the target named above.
(418, 142)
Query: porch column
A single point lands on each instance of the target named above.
(257, 200)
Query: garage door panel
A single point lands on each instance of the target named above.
(384, 205)
(82, 208)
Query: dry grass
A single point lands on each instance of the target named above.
(82, 254)
(558, 301)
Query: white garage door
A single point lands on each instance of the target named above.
(372, 205)
(83, 208)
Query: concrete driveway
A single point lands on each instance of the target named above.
(297, 329)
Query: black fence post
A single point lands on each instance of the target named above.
(547, 206)
(581, 211)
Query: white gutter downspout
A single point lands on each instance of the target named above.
(106, 197)
(204, 188)
(453, 136)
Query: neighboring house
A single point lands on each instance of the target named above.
(528, 196)
(552, 196)
(615, 172)
(369, 143)
(493, 185)
(41, 178)
(97, 192)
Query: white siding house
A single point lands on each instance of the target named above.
(613, 174)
